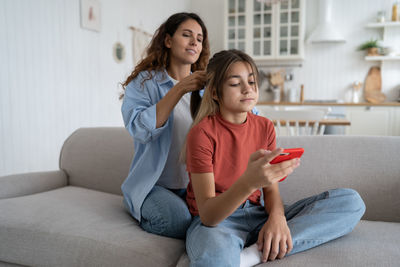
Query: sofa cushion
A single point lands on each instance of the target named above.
(103, 153)
(73, 226)
(370, 244)
(368, 164)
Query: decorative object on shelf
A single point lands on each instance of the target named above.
(302, 93)
(371, 46)
(356, 92)
(276, 80)
(398, 99)
(290, 90)
(373, 86)
(140, 40)
(395, 11)
(381, 16)
(389, 49)
(276, 94)
(90, 15)
(118, 52)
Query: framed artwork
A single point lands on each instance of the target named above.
(90, 15)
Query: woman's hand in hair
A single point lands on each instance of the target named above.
(193, 82)
(260, 173)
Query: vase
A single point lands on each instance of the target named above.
(373, 51)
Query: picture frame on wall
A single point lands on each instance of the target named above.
(90, 15)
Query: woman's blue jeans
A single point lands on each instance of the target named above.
(165, 212)
(312, 222)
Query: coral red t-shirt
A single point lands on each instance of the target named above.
(223, 148)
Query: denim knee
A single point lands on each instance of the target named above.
(353, 202)
(165, 213)
(212, 246)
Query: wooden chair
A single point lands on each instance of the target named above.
(296, 122)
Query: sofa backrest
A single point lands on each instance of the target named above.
(97, 158)
(368, 164)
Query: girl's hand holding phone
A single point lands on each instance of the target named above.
(260, 173)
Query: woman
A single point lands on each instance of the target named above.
(156, 113)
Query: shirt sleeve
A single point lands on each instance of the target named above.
(139, 110)
(271, 136)
(199, 151)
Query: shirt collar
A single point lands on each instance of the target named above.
(162, 77)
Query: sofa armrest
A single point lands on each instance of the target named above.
(30, 183)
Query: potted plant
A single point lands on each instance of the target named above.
(371, 46)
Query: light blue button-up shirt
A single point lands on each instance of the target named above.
(151, 144)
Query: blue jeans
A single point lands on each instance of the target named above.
(165, 212)
(312, 222)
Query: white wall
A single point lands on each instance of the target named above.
(328, 69)
(56, 77)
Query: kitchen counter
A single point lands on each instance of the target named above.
(322, 103)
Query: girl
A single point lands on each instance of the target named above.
(155, 110)
(228, 151)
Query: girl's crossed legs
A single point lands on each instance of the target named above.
(312, 222)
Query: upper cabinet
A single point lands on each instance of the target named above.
(266, 31)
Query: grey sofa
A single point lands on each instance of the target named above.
(75, 216)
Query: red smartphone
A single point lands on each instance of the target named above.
(289, 153)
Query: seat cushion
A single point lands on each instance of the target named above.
(370, 244)
(73, 226)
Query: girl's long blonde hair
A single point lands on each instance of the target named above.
(217, 68)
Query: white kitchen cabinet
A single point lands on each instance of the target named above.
(373, 120)
(396, 122)
(364, 119)
(266, 32)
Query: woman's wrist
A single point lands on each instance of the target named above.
(180, 89)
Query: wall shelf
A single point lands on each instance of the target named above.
(383, 24)
(382, 58)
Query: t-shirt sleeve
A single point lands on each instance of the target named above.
(271, 136)
(199, 151)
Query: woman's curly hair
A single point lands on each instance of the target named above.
(157, 54)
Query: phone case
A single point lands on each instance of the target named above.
(289, 153)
